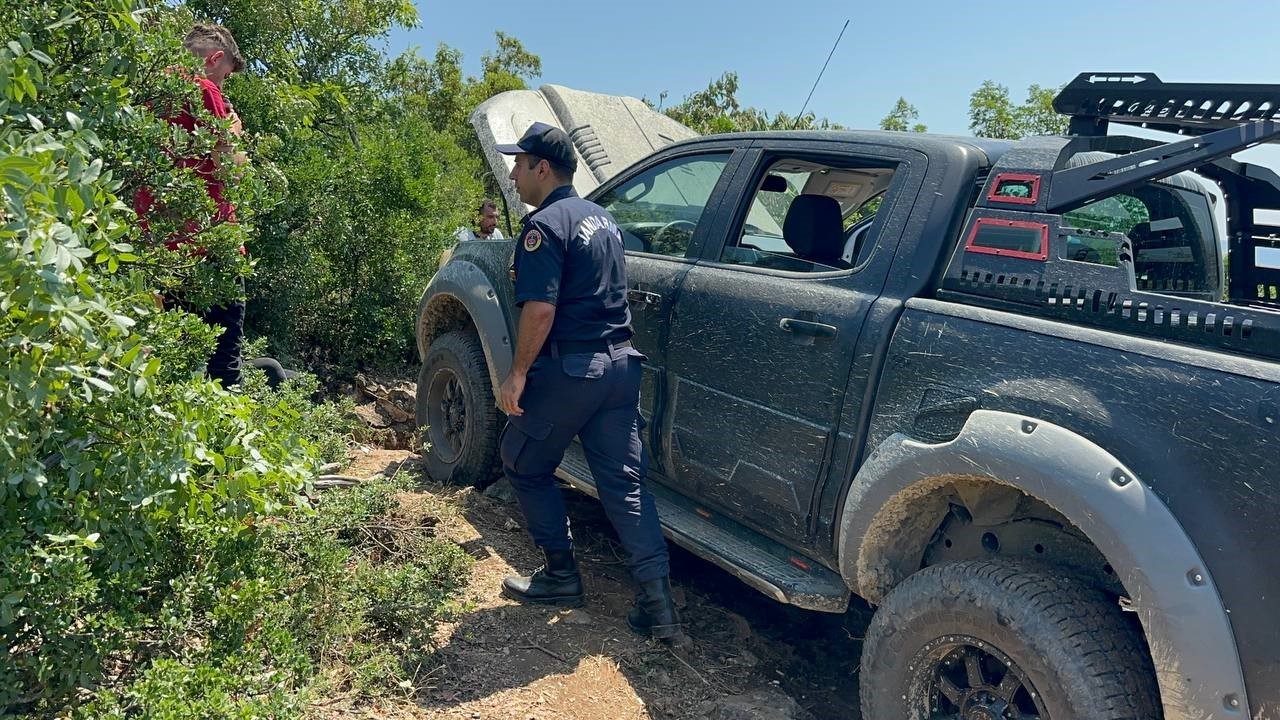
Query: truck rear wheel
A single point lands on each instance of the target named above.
(456, 411)
(983, 640)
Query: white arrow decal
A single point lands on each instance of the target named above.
(1135, 79)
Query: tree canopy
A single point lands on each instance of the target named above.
(992, 113)
(715, 109)
(903, 118)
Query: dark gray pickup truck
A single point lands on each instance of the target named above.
(1024, 397)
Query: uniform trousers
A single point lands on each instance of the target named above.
(593, 396)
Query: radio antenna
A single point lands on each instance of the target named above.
(819, 78)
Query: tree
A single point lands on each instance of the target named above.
(381, 163)
(432, 90)
(710, 110)
(310, 42)
(507, 68)
(716, 109)
(314, 65)
(1036, 116)
(365, 227)
(991, 113)
(438, 91)
(901, 116)
(344, 259)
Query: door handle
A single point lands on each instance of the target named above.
(808, 327)
(644, 297)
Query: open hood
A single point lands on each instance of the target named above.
(609, 132)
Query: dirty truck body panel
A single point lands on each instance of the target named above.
(980, 373)
(1180, 420)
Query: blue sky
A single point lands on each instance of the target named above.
(934, 53)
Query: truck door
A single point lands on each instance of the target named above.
(764, 329)
(662, 207)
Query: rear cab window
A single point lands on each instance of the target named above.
(1177, 246)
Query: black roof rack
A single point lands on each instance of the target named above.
(1095, 99)
(1064, 188)
(1075, 186)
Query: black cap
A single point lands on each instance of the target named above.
(545, 141)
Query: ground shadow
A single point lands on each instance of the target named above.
(742, 641)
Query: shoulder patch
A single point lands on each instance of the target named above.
(532, 240)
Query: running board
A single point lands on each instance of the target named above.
(760, 562)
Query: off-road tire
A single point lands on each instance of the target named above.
(1071, 644)
(455, 376)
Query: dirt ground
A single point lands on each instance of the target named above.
(750, 657)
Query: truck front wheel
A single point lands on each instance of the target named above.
(456, 411)
(1001, 641)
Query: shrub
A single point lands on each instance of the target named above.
(344, 261)
(249, 629)
(158, 553)
(115, 451)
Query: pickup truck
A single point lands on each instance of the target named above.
(1022, 396)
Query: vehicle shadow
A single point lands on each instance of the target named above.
(743, 644)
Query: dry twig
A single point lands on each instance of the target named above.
(686, 664)
(548, 652)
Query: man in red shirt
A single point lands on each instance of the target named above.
(220, 55)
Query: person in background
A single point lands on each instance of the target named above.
(219, 57)
(486, 224)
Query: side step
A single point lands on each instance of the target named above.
(760, 562)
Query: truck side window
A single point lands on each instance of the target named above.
(806, 216)
(659, 209)
(1171, 226)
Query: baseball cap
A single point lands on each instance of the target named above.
(544, 141)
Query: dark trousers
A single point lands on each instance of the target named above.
(224, 364)
(594, 396)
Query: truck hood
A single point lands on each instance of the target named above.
(609, 132)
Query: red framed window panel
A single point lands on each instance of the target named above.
(1009, 238)
(1009, 188)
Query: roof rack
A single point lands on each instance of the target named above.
(1095, 99)
(1075, 186)
(1061, 188)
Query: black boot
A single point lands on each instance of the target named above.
(655, 612)
(556, 583)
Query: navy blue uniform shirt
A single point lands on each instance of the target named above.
(570, 254)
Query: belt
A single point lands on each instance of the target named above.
(556, 348)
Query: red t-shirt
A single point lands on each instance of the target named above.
(205, 166)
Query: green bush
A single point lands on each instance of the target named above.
(159, 555)
(248, 628)
(381, 164)
(328, 425)
(344, 260)
(123, 468)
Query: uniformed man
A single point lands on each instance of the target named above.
(576, 374)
